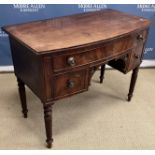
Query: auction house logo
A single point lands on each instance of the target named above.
(146, 7)
(29, 7)
(3, 34)
(148, 49)
(92, 7)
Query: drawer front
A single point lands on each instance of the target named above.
(115, 47)
(70, 83)
(140, 38)
(134, 56)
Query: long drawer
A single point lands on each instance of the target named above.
(109, 49)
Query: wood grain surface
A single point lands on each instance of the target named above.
(76, 30)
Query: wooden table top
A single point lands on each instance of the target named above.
(75, 30)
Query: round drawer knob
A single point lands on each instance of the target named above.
(70, 84)
(71, 61)
(140, 37)
(136, 56)
(126, 58)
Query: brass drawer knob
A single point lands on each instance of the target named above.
(140, 37)
(126, 58)
(70, 84)
(71, 61)
(136, 56)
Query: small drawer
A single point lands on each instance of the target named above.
(105, 51)
(140, 38)
(131, 60)
(136, 54)
(135, 58)
(70, 83)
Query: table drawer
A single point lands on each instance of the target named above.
(109, 49)
(131, 60)
(70, 83)
(135, 58)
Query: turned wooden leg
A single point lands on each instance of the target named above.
(22, 95)
(133, 82)
(48, 123)
(102, 73)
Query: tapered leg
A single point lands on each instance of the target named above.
(133, 82)
(102, 73)
(48, 123)
(22, 94)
